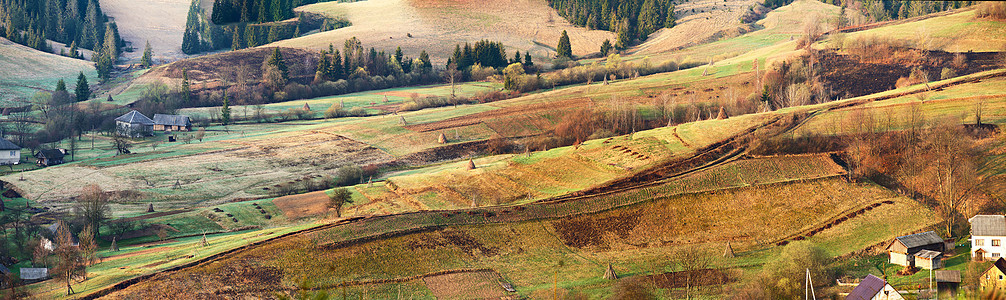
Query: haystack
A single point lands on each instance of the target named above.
(203, 242)
(442, 139)
(402, 120)
(306, 107)
(150, 208)
(722, 115)
(729, 251)
(609, 274)
(114, 247)
(471, 164)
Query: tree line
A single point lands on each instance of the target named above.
(629, 19)
(203, 33)
(885, 10)
(78, 23)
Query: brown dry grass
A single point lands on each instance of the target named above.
(303, 205)
(471, 285)
(436, 26)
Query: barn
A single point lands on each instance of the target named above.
(904, 248)
(172, 123)
(134, 124)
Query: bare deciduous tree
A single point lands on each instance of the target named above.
(69, 264)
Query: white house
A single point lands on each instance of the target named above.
(987, 235)
(10, 154)
(874, 288)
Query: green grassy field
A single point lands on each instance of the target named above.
(25, 71)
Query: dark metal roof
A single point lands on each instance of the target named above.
(920, 239)
(172, 120)
(947, 276)
(999, 264)
(135, 117)
(50, 154)
(8, 145)
(869, 287)
(927, 254)
(988, 225)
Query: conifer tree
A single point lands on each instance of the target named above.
(605, 48)
(564, 49)
(273, 34)
(527, 60)
(399, 55)
(147, 60)
(61, 86)
(74, 52)
(225, 111)
(335, 66)
(191, 43)
(83, 90)
(237, 41)
(277, 60)
(424, 59)
(186, 90)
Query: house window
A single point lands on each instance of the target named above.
(996, 243)
(12, 153)
(995, 254)
(979, 242)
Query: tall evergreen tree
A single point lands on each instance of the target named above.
(399, 55)
(74, 52)
(276, 59)
(225, 111)
(424, 59)
(83, 90)
(191, 44)
(605, 48)
(186, 90)
(238, 41)
(527, 60)
(61, 86)
(147, 59)
(564, 48)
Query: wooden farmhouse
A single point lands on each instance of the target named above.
(874, 288)
(134, 124)
(172, 123)
(987, 234)
(10, 154)
(993, 281)
(50, 157)
(904, 249)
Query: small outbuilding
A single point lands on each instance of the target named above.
(50, 157)
(903, 249)
(134, 124)
(947, 282)
(928, 259)
(172, 123)
(874, 288)
(10, 153)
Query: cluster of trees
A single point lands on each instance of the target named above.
(884, 10)
(202, 34)
(254, 11)
(79, 23)
(629, 19)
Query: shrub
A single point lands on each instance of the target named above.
(947, 73)
(991, 10)
(335, 111)
(480, 73)
(357, 112)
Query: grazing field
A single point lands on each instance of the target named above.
(435, 26)
(953, 32)
(161, 22)
(526, 253)
(25, 71)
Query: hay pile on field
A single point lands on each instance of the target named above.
(609, 274)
